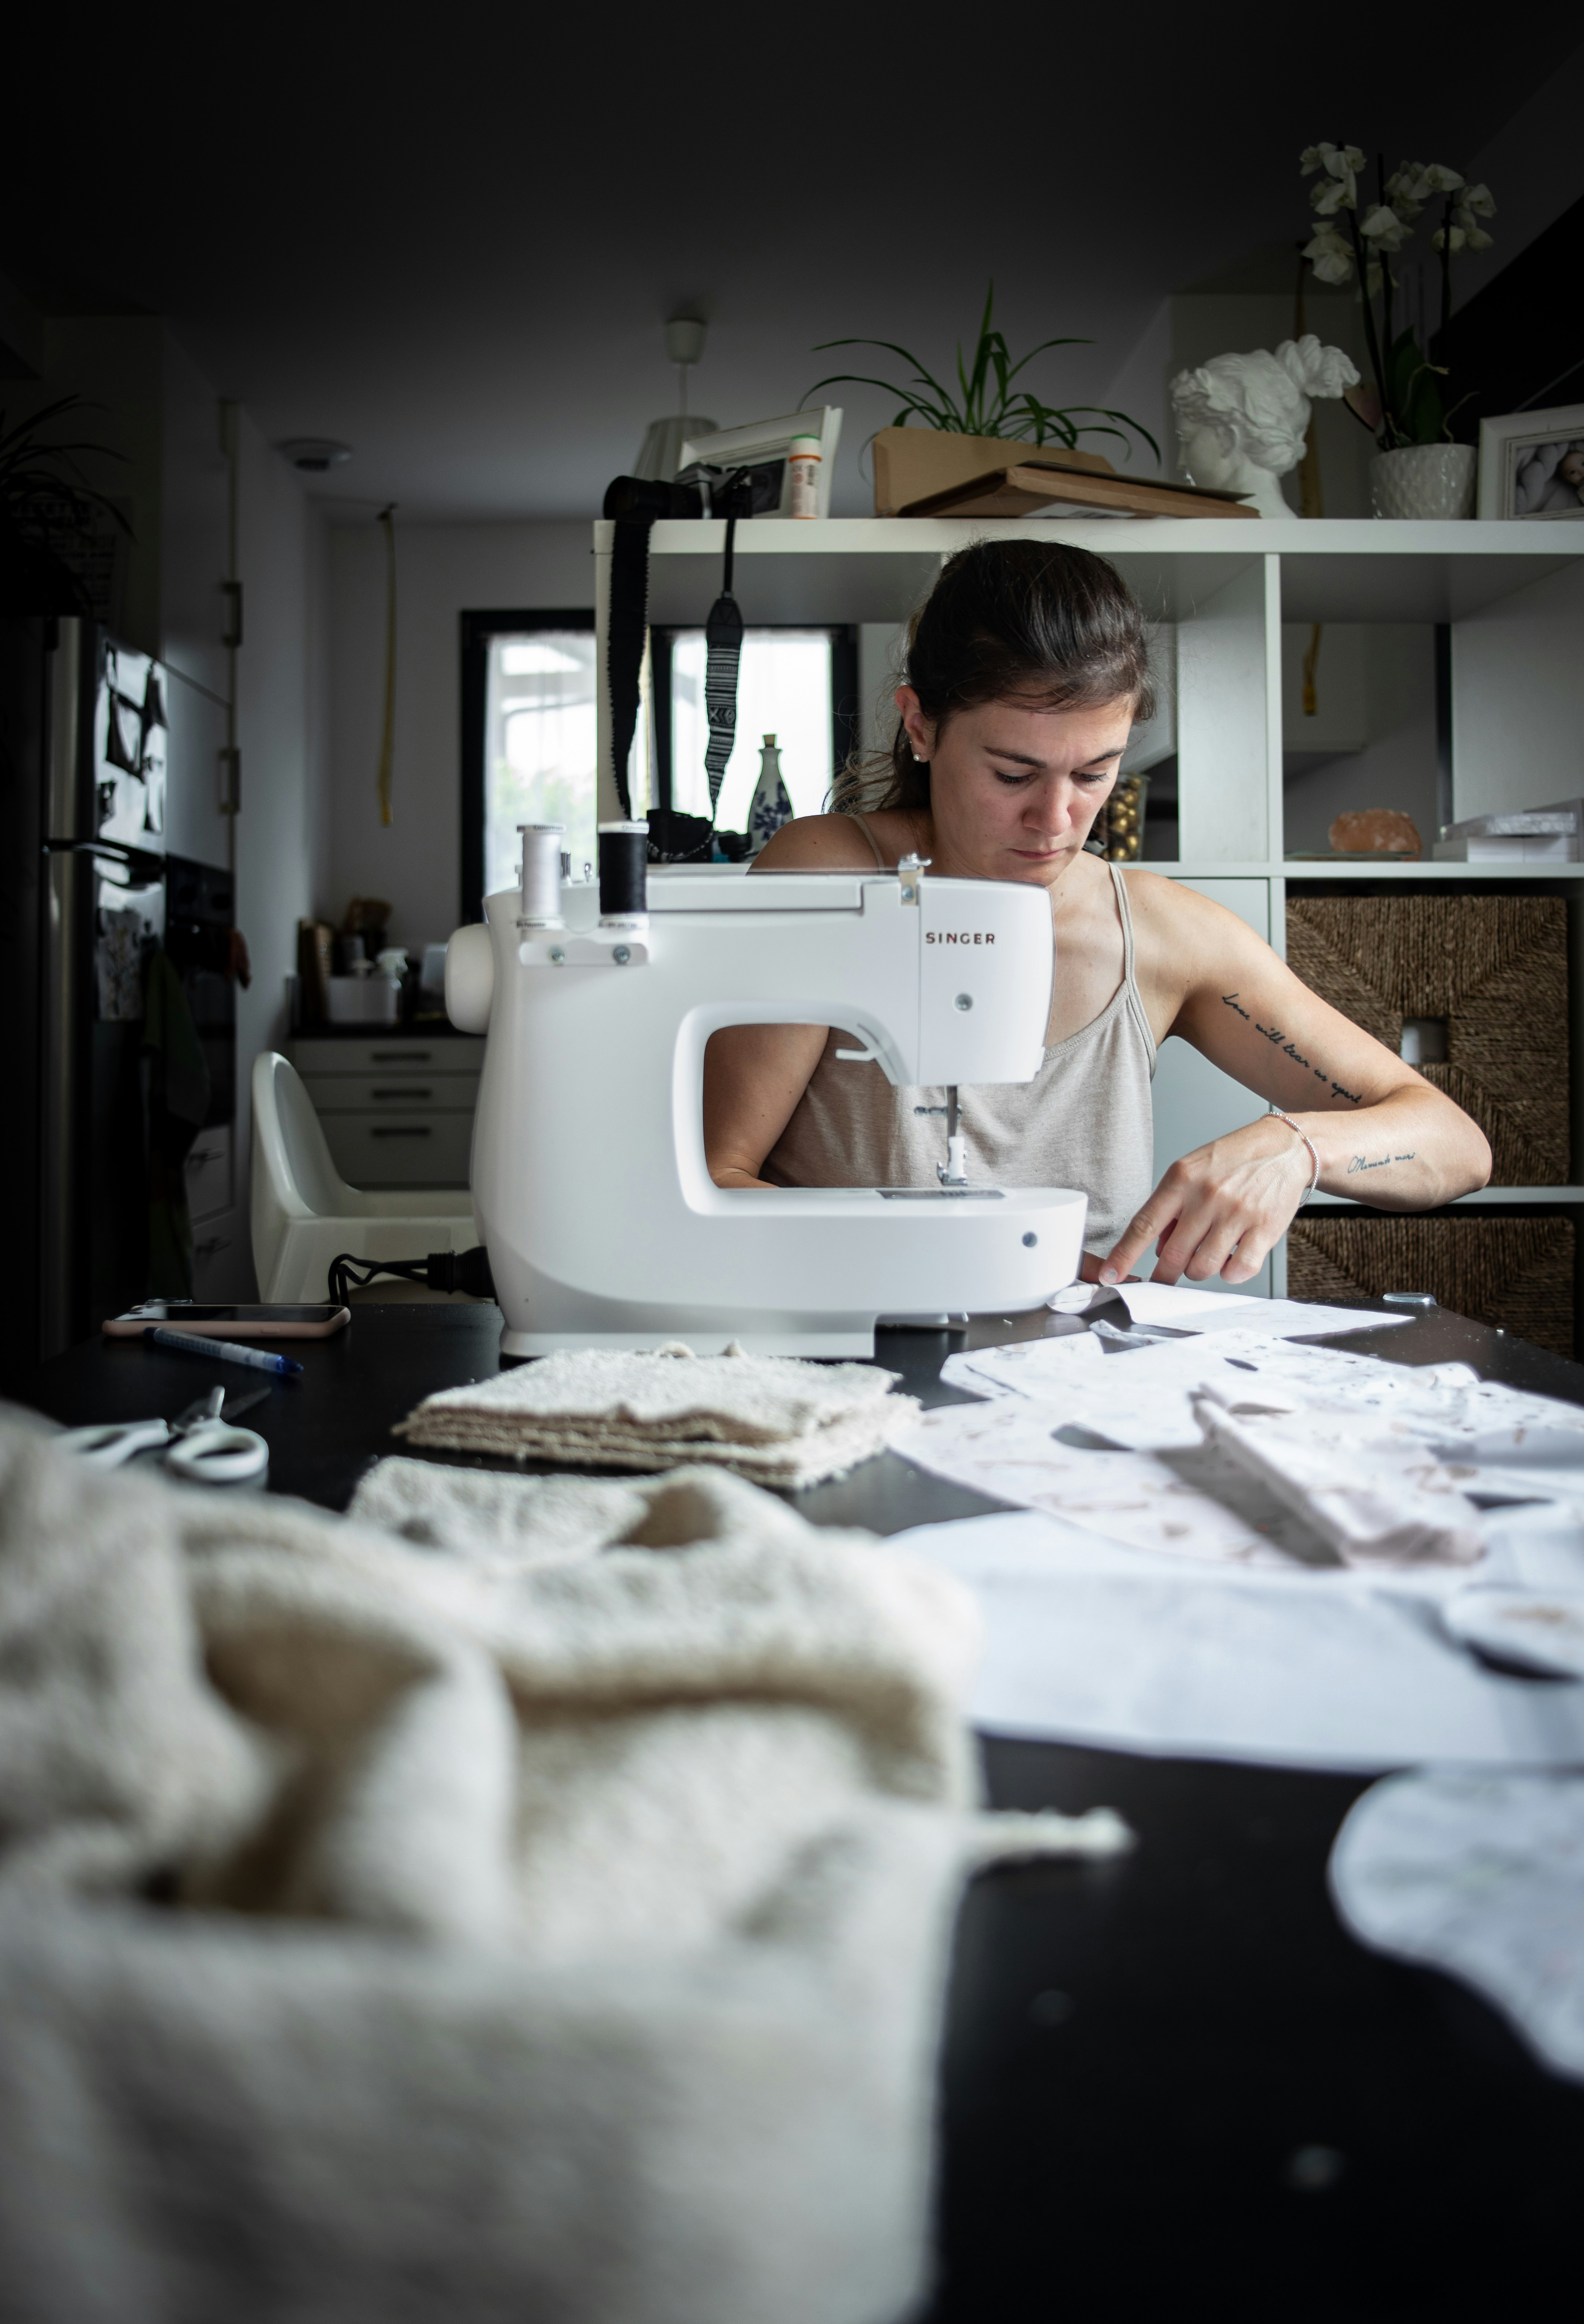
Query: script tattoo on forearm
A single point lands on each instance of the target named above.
(1358, 1163)
(1278, 1039)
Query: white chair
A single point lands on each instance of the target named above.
(303, 1211)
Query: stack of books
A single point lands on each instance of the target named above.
(1539, 835)
(1051, 483)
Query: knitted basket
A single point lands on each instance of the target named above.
(1494, 969)
(1517, 1273)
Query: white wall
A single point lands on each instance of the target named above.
(1534, 167)
(282, 730)
(442, 571)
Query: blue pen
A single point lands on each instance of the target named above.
(222, 1352)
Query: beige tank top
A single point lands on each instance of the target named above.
(1084, 1120)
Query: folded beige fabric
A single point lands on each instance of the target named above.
(776, 1419)
(562, 1889)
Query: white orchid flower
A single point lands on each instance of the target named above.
(1478, 201)
(1384, 229)
(1338, 189)
(1401, 190)
(1451, 238)
(1329, 255)
(1373, 276)
(1474, 237)
(1440, 179)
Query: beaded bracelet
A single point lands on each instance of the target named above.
(1308, 1141)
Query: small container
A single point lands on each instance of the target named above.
(1123, 816)
(803, 465)
(542, 874)
(363, 999)
(772, 806)
(624, 874)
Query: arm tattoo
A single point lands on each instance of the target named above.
(1358, 1163)
(1278, 1039)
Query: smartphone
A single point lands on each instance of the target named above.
(314, 1321)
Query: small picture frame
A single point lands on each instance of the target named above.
(1532, 464)
(765, 442)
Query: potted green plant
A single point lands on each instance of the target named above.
(1418, 470)
(940, 438)
(52, 524)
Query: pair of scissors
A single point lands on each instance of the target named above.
(198, 1444)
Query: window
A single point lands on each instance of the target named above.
(529, 750)
(799, 685)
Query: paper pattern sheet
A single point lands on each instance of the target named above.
(1242, 1547)
(1192, 1307)
(1090, 1642)
(1482, 1876)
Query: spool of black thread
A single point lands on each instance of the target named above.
(624, 870)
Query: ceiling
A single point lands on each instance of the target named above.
(452, 239)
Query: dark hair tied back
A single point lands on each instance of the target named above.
(1009, 621)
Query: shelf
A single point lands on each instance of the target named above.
(1332, 569)
(1294, 869)
(1201, 867)
(1486, 1197)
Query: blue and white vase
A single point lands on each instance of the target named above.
(772, 806)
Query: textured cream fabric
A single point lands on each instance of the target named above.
(565, 1898)
(775, 1419)
(1085, 1120)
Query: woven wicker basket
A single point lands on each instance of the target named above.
(1495, 968)
(1517, 1273)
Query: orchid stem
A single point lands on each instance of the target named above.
(1388, 425)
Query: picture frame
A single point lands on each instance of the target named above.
(767, 440)
(1530, 462)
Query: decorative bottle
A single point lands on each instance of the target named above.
(772, 806)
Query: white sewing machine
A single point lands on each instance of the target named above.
(590, 1188)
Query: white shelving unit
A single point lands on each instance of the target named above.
(1511, 593)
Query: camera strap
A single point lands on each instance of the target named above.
(724, 655)
(627, 628)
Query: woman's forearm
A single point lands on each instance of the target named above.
(1410, 1151)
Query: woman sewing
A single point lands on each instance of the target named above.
(1027, 668)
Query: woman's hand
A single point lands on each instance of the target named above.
(1219, 1209)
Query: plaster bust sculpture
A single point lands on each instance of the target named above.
(1242, 420)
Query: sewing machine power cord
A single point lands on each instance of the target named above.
(442, 1270)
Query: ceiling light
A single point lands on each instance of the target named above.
(314, 453)
(661, 450)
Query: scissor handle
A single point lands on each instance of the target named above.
(108, 1442)
(214, 1453)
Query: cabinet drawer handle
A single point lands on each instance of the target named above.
(409, 1093)
(402, 1058)
(393, 1130)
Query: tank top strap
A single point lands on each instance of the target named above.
(1136, 1008)
(863, 826)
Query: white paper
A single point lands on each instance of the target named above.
(1483, 1876)
(1192, 1307)
(1187, 1500)
(1530, 1629)
(1089, 1642)
(1143, 1398)
(1377, 1494)
(1382, 1463)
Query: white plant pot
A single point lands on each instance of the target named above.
(1423, 480)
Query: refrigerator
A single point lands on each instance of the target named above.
(114, 953)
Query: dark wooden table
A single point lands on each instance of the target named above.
(1172, 2084)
